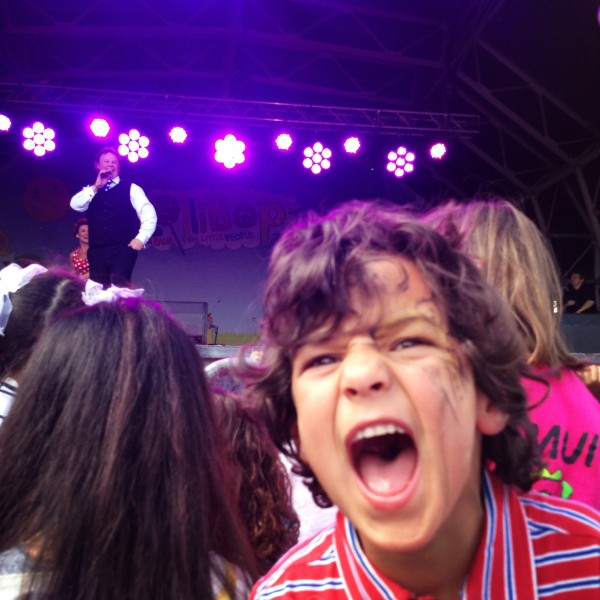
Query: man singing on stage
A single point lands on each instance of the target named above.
(121, 221)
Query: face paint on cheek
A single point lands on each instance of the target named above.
(444, 386)
(460, 365)
(451, 382)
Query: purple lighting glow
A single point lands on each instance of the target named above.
(99, 127)
(39, 139)
(178, 135)
(230, 151)
(317, 158)
(5, 123)
(400, 162)
(133, 145)
(437, 151)
(284, 141)
(351, 145)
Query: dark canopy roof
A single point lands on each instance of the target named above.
(514, 84)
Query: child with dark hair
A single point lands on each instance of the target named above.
(114, 481)
(262, 481)
(30, 298)
(391, 374)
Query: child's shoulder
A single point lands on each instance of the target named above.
(548, 515)
(565, 542)
(310, 566)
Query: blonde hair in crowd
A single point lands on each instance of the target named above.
(514, 257)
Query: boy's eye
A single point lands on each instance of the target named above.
(305, 362)
(411, 343)
(318, 361)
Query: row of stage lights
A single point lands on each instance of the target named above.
(229, 151)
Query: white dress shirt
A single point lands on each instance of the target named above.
(144, 209)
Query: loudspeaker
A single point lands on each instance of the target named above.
(191, 315)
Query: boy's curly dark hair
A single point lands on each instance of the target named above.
(313, 268)
(265, 498)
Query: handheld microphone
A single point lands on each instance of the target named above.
(106, 174)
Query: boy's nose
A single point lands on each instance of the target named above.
(364, 372)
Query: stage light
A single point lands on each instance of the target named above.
(5, 123)
(99, 127)
(133, 145)
(400, 162)
(178, 135)
(284, 141)
(39, 139)
(437, 151)
(230, 151)
(351, 145)
(316, 158)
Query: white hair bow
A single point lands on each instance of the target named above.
(94, 293)
(12, 279)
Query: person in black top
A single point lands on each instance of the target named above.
(579, 295)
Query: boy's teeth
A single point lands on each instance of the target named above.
(376, 431)
(384, 457)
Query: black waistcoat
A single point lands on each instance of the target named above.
(111, 217)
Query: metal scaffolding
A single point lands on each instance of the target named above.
(195, 108)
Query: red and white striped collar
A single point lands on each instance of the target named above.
(503, 567)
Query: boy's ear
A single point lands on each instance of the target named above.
(490, 419)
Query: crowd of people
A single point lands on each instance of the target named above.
(411, 375)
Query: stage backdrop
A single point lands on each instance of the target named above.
(216, 227)
(215, 230)
(211, 245)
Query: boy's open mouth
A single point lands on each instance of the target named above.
(385, 457)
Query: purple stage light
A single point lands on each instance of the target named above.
(5, 123)
(99, 127)
(230, 151)
(133, 145)
(400, 161)
(143, 149)
(316, 158)
(284, 141)
(178, 135)
(39, 139)
(437, 151)
(351, 145)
